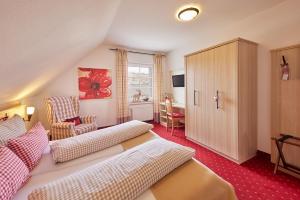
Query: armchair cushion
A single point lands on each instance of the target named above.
(84, 128)
(64, 125)
(62, 130)
(89, 119)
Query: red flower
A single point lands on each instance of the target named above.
(96, 84)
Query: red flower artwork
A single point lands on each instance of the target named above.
(94, 83)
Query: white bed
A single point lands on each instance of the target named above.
(190, 181)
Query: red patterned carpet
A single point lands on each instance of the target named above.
(253, 179)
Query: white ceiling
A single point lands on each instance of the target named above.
(151, 24)
(42, 38)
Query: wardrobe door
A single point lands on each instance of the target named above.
(200, 83)
(225, 119)
(204, 83)
(190, 117)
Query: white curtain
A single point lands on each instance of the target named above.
(122, 86)
(158, 85)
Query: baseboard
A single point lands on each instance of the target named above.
(280, 168)
(220, 153)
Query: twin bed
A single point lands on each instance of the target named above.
(191, 180)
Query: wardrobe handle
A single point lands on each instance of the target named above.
(217, 98)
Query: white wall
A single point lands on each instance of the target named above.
(273, 28)
(174, 66)
(264, 99)
(67, 84)
(178, 92)
(140, 58)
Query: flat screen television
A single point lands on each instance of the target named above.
(178, 80)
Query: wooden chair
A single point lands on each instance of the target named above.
(174, 117)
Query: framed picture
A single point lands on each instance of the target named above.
(94, 83)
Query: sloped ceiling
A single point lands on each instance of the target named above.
(41, 38)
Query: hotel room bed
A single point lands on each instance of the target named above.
(190, 181)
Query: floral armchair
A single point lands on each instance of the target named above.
(62, 108)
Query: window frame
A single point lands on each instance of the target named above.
(151, 76)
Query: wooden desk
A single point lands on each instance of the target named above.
(175, 105)
(163, 112)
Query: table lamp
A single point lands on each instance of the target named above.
(29, 112)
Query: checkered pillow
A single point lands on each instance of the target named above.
(30, 146)
(13, 173)
(11, 128)
(81, 145)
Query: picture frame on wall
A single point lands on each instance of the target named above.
(94, 83)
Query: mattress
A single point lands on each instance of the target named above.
(190, 181)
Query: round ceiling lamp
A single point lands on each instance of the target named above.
(188, 13)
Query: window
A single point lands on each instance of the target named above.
(140, 78)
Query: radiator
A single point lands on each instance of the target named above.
(142, 112)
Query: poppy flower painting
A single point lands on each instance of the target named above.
(94, 83)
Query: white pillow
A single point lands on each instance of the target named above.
(11, 128)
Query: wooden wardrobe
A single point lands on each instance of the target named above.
(225, 122)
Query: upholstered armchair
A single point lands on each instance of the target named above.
(61, 109)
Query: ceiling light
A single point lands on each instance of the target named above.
(188, 13)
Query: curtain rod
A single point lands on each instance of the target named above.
(138, 52)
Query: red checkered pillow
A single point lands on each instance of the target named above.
(13, 173)
(30, 146)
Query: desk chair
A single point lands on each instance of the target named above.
(174, 117)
